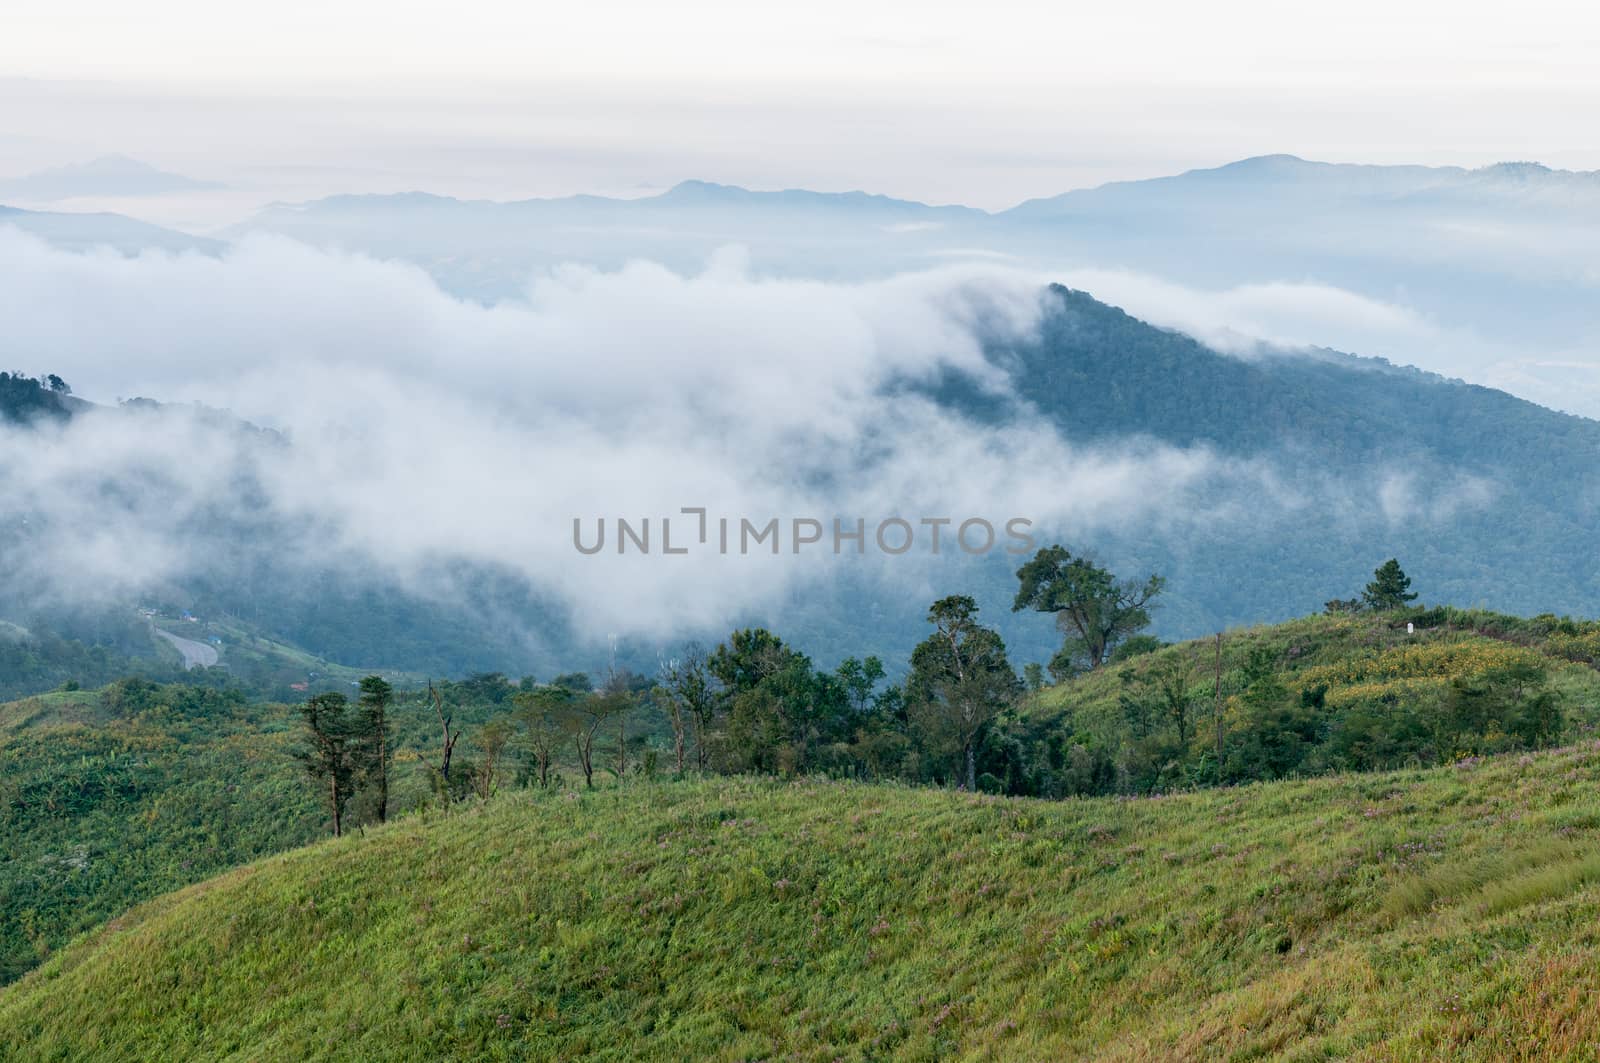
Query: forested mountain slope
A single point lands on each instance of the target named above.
(1100, 373)
(1324, 464)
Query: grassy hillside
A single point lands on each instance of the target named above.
(110, 797)
(1440, 914)
(1318, 694)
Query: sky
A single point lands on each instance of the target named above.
(942, 102)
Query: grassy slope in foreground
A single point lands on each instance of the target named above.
(111, 797)
(1448, 913)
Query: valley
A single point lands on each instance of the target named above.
(930, 533)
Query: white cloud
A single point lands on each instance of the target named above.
(1410, 497)
(423, 430)
(1239, 319)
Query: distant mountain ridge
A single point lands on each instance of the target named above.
(1495, 497)
(117, 175)
(1342, 180)
(72, 231)
(688, 192)
(1487, 273)
(1256, 170)
(107, 176)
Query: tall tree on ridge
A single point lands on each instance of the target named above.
(691, 687)
(332, 758)
(960, 681)
(376, 696)
(1093, 609)
(1389, 588)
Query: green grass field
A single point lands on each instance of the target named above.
(1355, 657)
(53, 709)
(1444, 914)
(110, 797)
(102, 806)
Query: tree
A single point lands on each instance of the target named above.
(860, 679)
(778, 707)
(689, 686)
(57, 385)
(1174, 678)
(450, 736)
(748, 657)
(540, 711)
(1388, 588)
(620, 767)
(376, 696)
(1216, 702)
(662, 697)
(1507, 705)
(577, 682)
(1164, 689)
(1135, 646)
(582, 724)
(960, 680)
(1093, 609)
(331, 759)
(1278, 728)
(491, 741)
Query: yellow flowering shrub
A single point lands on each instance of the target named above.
(1583, 647)
(1422, 660)
(1405, 691)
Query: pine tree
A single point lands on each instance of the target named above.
(377, 751)
(1388, 589)
(331, 757)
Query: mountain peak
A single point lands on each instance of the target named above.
(695, 190)
(1517, 171)
(1276, 163)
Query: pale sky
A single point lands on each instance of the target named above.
(984, 104)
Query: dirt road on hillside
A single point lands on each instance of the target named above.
(195, 654)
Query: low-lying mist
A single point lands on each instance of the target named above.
(412, 432)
